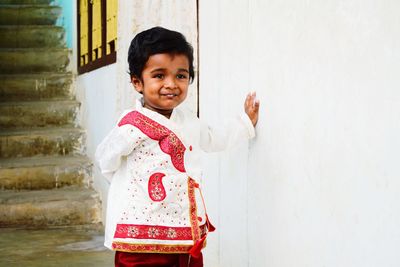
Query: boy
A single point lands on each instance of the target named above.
(155, 214)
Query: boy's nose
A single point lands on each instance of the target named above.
(170, 83)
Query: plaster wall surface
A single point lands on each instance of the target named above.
(97, 91)
(319, 186)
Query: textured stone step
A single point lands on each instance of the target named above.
(44, 172)
(37, 114)
(75, 246)
(39, 142)
(35, 86)
(64, 206)
(29, 14)
(31, 36)
(25, 2)
(33, 60)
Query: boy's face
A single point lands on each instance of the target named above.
(165, 82)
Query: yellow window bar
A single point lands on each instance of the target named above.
(84, 31)
(112, 10)
(96, 29)
(97, 33)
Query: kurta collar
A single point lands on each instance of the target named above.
(170, 123)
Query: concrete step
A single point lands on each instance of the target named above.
(42, 208)
(75, 246)
(33, 60)
(36, 173)
(25, 2)
(42, 86)
(41, 142)
(38, 114)
(29, 14)
(31, 36)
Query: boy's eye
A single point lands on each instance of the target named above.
(181, 76)
(158, 76)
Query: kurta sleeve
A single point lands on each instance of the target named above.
(227, 135)
(118, 143)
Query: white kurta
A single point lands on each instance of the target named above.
(153, 163)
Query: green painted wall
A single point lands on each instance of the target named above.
(67, 19)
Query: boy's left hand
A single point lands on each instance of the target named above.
(251, 107)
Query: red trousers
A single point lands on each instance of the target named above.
(126, 259)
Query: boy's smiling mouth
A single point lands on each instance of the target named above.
(169, 95)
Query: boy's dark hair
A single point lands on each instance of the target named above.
(157, 40)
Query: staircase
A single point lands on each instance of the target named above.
(45, 178)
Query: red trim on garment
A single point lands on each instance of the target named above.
(200, 242)
(151, 248)
(193, 210)
(168, 140)
(136, 231)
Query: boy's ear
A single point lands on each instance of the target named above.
(137, 84)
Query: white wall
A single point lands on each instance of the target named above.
(320, 185)
(97, 91)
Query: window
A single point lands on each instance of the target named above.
(97, 34)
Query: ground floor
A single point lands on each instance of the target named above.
(63, 246)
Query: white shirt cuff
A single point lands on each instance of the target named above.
(249, 125)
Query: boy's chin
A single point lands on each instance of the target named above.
(162, 109)
(170, 104)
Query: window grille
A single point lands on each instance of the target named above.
(97, 34)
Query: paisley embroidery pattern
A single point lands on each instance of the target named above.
(168, 141)
(156, 188)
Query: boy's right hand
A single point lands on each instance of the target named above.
(251, 107)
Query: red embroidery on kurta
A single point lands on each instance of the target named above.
(168, 141)
(152, 248)
(156, 232)
(196, 233)
(156, 188)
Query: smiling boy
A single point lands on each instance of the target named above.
(156, 215)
